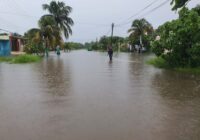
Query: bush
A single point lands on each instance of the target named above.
(179, 45)
(158, 62)
(34, 48)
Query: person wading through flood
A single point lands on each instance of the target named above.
(58, 50)
(110, 52)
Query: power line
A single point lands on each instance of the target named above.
(30, 16)
(17, 5)
(107, 33)
(8, 23)
(5, 30)
(124, 22)
(12, 24)
(93, 24)
(139, 12)
(17, 14)
(154, 9)
(148, 12)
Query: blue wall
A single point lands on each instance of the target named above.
(5, 48)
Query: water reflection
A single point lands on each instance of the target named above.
(178, 86)
(55, 76)
(180, 96)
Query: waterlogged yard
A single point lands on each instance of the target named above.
(81, 96)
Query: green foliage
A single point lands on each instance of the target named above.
(73, 46)
(25, 59)
(33, 44)
(178, 4)
(189, 70)
(142, 30)
(140, 27)
(5, 59)
(51, 27)
(49, 32)
(34, 48)
(60, 12)
(179, 43)
(158, 62)
(21, 59)
(104, 42)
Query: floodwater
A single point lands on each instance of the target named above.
(81, 96)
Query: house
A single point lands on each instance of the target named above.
(11, 44)
(5, 48)
(16, 42)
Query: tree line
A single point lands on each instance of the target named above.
(141, 33)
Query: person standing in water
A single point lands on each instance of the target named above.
(58, 50)
(110, 52)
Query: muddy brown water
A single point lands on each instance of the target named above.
(81, 96)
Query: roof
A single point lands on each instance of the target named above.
(4, 37)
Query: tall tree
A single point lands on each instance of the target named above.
(60, 12)
(139, 28)
(48, 32)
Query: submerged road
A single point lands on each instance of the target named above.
(81, 96)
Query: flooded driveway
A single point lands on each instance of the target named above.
(81, 96)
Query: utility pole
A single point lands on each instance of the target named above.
(112, 26)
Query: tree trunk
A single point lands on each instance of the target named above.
(46, 47)
(141, 44)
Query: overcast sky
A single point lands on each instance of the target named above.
(92, 18)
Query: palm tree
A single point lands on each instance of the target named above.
(49, 32)
(60, 12)
(139, 28)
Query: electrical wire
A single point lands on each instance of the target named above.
(154, 9)
(21, 12)
(139, 12)
(147, 13)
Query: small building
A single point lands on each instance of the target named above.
(16, 42)
(5, 49)
(11, 44)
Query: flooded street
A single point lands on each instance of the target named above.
(81, 96)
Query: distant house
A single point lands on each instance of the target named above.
(10, 44)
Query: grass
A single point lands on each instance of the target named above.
(21, 59)
(161, 63)
(5, 59)
(158, 62)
